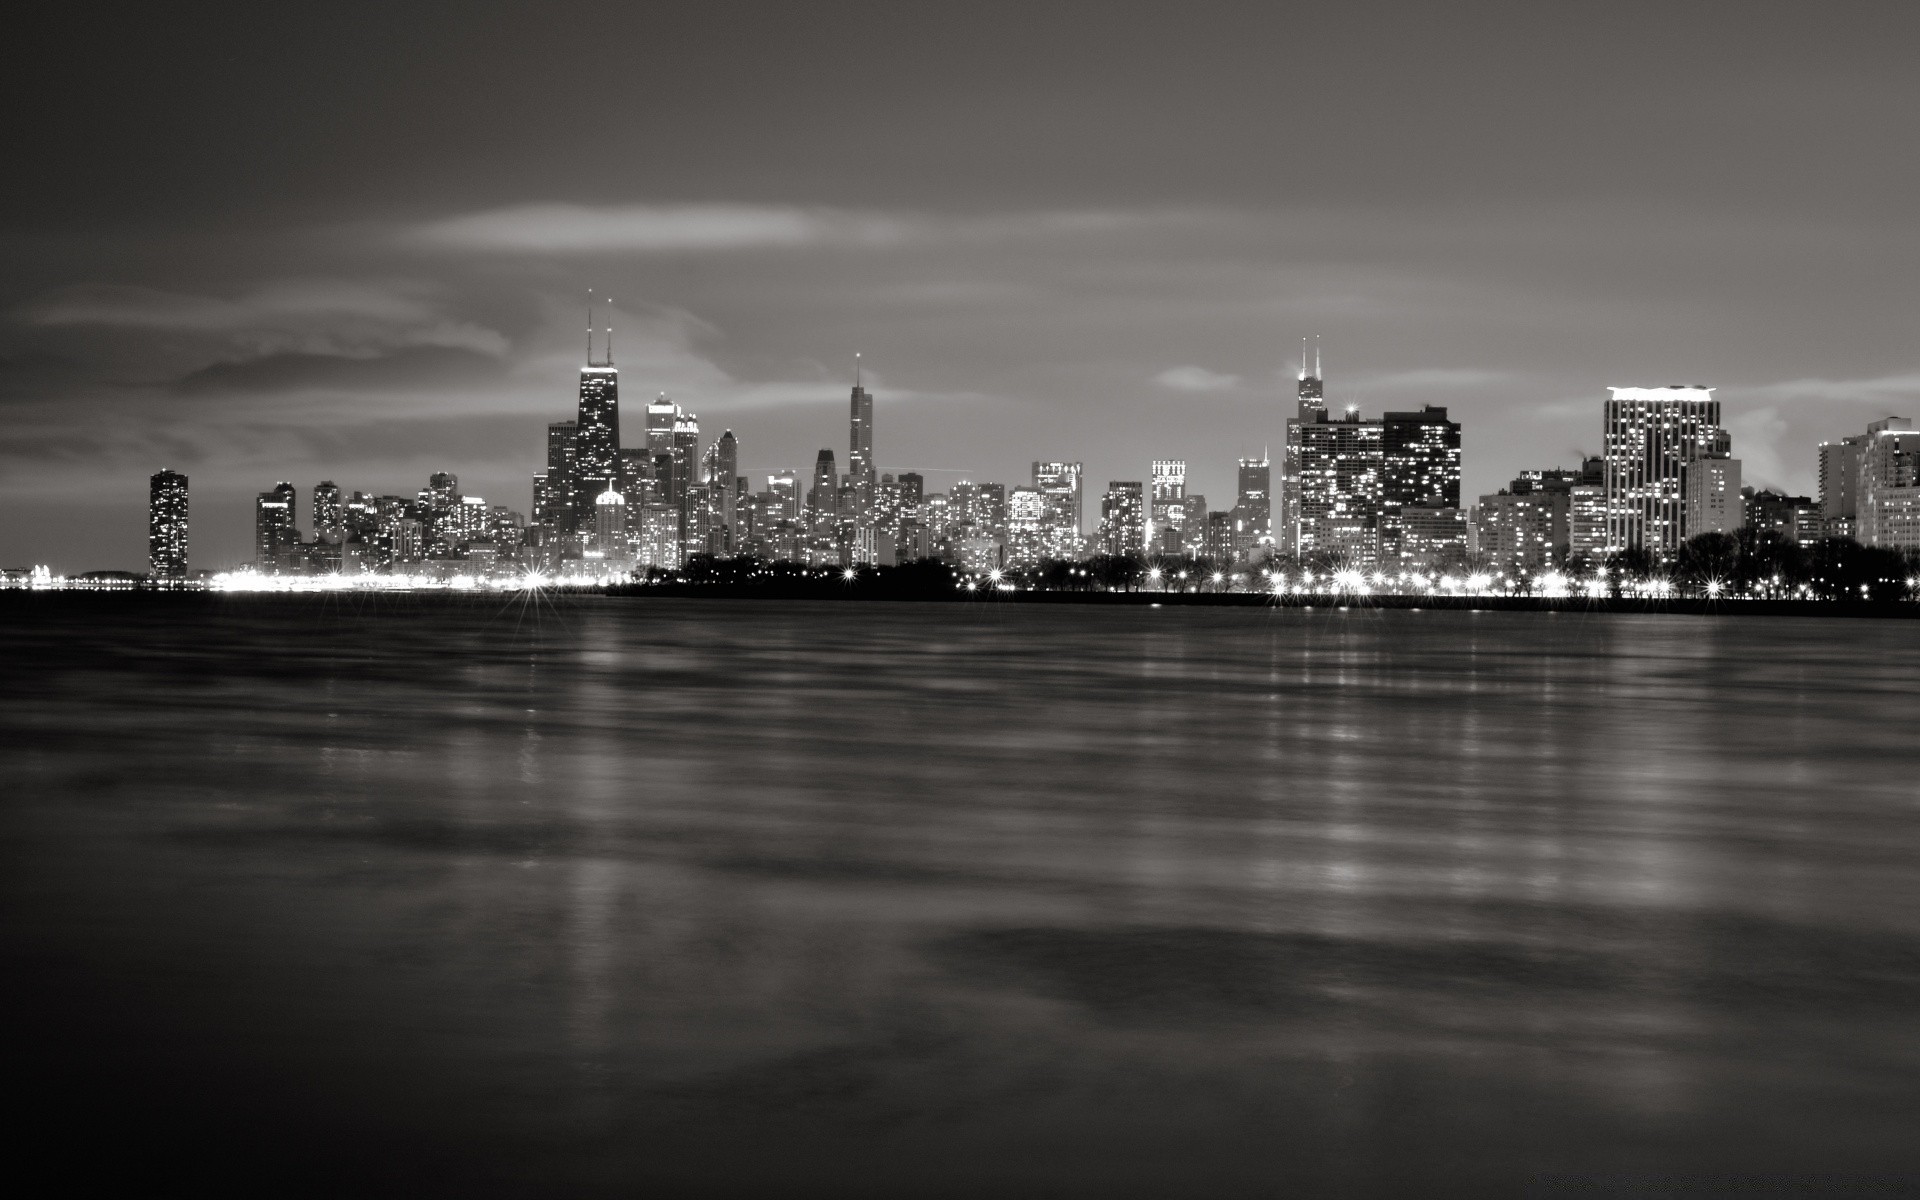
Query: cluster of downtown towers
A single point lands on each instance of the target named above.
(1374, 495)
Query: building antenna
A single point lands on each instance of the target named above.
(609, 330)
(1303, 358)
(1316, 358)
(856, 368)
(589, 326)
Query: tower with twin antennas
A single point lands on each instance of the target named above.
(860, 474)
(596, 455)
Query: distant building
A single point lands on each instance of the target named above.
(1059, 486)
(610, 524)
(1123, 519)
(1791, 518)
(1889, 486)
(1652, 433)
(275, 537)
(1713, 501)
(1026, 527)
(860, 469)
(329, 513)
(1840, 484)
(1252, 514)
(1167, 512)
(1419, 468)
(167, 526)
(823, 498)
(1432, 539)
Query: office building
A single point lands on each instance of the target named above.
(1651, 434)
(1713, 500)
(1790, 518)
(1059, 486)
(274, 536)
(1252, 514)
(329, 513)
(1167, 506)
(1888, 513)
(167, 526)
(1419, 467)
(1123, 519)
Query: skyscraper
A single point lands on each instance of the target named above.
(558, 516)
(860, 437)
(1889, 487)
(1310, 406)
(274, 534)
(1419, 468)
(1123, 518)
(167, 525)
(1059, 486)
(823, 498)
(1167, 512)
(1252, 514)
(1338, 487)
(1840, 484)
(1651, 435)
(329, 514)
(596, 453)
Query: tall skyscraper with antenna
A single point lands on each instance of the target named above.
(860, 472)
(1310, 407)
(596, 456)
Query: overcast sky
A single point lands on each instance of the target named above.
(352, 242)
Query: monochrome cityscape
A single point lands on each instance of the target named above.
(1353, 504)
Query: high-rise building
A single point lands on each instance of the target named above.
(1059, 486)
(1026, 527)
(167, 525)
(1252, 514)
(978, 510)
(1167, 506)
(558, 516)
(274, 534)
(1310, 406)
(823, 498)
(329, 513)
(1713, 500)
(596, 436)
(719, 470)
(610, 524)
(1840, 484)
(1889, 486)
(1652, 433)
(1123, 519)
(785, 486)
(1433, 539)
(860, 439)
(1419, 467)
(1337, 474)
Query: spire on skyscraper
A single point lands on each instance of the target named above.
(589, 326)
(609, 332)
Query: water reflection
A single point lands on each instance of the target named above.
(947, 898)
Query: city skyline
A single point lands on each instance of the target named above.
(278, 301)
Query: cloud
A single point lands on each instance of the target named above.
(1196, 379)
(1757, 436)
(652, 228)
(1434, 378)
(344, 318)
(1885, 389)
(558, 228)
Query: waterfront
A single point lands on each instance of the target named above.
(496, 893)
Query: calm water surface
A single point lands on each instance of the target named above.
(663, 897)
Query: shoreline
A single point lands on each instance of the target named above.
(878, 590)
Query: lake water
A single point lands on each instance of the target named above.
(602, 896)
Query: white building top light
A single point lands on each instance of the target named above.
(1673, 391)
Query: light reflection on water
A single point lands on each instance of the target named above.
(945, 898)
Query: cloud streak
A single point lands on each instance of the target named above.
(1196, 379)
(561, 228)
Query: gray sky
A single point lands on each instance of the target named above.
(352, 242)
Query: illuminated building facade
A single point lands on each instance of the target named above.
(1253, 507)
(167, 525)
(1310, 407)
(1419, 467)
(274, 534)
(1433, 539)
(1059, 486)
(1167, 511)
(1339, 488)
(1026, 527)
(1889, 486)
(1651, 434)
(1123, 519)
(329, 513)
